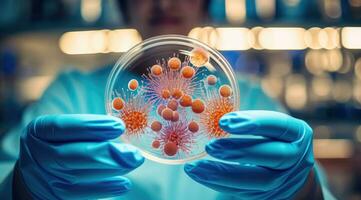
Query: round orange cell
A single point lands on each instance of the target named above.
(174, 63)
(156, 70)
(188, 72)
(175, 116)
(225, 91)
(193, 126)
(160, 109)
(172, 104)
(167, 114)
(156, 144)
(118, 103)
(133, 84)
(156, 126)
(198, 106)
(199, 57)
(177, 93)
(211, 80)
(165, 94)
(186, 100)
(170, 148)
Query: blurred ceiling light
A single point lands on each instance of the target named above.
(334, 60)
(273, 86)
(90, 10)
(83, 42)
(206, 35)
(342, 91)
(280, 65)
(347, 63)
(332, 8)
(266, 8)
(329, 38)
(311, 38)
(123, 39)
(321, 86)
(282, 38)
(235, 11)
(234, 39)
(195, 33)
(296, 93)
(312, 62)
(358, 68)
(99, 41)
(332, 148)
(351, 37)
(255, 32)
(209, 36)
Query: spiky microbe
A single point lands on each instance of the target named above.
(216, 108)
(177, 133)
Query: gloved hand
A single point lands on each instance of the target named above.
(70, 157)
(273, 166)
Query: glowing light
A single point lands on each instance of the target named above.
(296, 93)
(342, 91)
(234, 39)
(282, 38)
(90, 10)
(83, 42)
(122, 40)
(332, 148)
(321, 86)
(99, 41)
(351, 37)
(266, 8)
(311, 38)
(235, 11)
(312, 62)
(329, 38)
(334, 60)
(255, 32)
(206, 34)
(332, 8)
(273, 86)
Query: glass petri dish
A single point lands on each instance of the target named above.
(171, 91)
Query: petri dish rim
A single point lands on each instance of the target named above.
(173, 39)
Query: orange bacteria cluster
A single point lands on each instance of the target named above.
(171, 90)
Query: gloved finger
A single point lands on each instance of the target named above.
(264, 123)
(107, 158)
(234, 176)
(103, 188)
(76, 127)
(256, 151)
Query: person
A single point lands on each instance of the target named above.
(63, 148)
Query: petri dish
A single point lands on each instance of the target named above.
(171, 91)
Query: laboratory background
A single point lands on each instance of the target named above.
(304, 53)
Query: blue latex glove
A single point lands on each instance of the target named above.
(273, 166)
(70, 157)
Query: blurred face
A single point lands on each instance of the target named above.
(157, 17)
